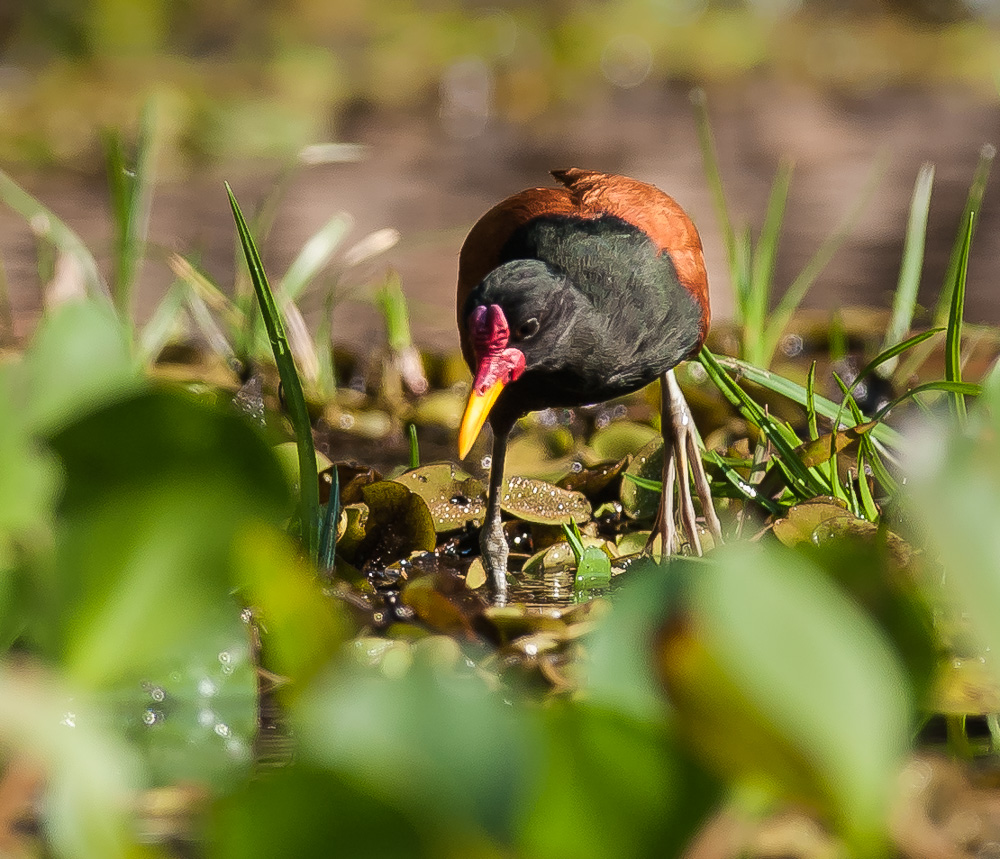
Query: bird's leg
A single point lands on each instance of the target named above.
(492, 541)
(679, 441)
(664, 525)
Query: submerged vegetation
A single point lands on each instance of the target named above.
(225, 637)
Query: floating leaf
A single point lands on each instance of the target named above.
(782, 682)
(541, 502)
(594, 480)
(639, 502)
(621, 438)
(453, 497)
(399, 522)
(803, 519)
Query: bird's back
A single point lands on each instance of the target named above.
(624, 243)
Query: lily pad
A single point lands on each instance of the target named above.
(641, 503)
(453, 497)
(803, 519)
(544, 503)
(399, 522)
(351, 529)
(594, 480)
(622, 438)
(967, 687)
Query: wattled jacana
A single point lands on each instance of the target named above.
(574, 295)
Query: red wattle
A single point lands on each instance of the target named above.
(496, 362)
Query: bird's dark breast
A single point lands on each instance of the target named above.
(640, 320)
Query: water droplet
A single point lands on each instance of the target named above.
(157, 694)
(225, 657)
(222, 729)
(207, 687)
(486, 461)
(151, 717)
(69, 720)
(346, 421)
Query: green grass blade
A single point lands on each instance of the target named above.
(966, 389)
(868, 505)
(328, 531)
(156, 331)
(713, 175)
(743, 487)
(798, 394)
(391, 302)
(292, 386)
(953, 342)
(758, 299)
(315, 254)
(891, 353)
(414, 446)
(811, 402)
(802, 480)
(973, 203)
(6, 310)
(904, 301)
(46, 226)
(798, 289)
(131, 199)
(741, 276)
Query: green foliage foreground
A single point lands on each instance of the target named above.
(140, 520)
(167, 587)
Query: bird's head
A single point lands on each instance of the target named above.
(515, 321)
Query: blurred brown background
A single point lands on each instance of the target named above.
(449, 106)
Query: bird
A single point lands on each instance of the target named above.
(574, 295)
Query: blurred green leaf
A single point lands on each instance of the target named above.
(92, 777)
(613, 785)
(303, 811)
(157, 488)
(78, 360)
(315, 254)
(781, 682)
(436, 742)
(193, 715)
(301, 627)
(131, 187)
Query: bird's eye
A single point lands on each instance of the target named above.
(527, 329)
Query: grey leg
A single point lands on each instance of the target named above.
(491, 538)
(680, 442)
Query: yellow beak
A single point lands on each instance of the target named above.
(476, 411)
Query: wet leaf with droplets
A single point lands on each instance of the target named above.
(537, 501)
(803, 519)
(452, 496)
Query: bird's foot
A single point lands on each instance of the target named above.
(680, 450)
